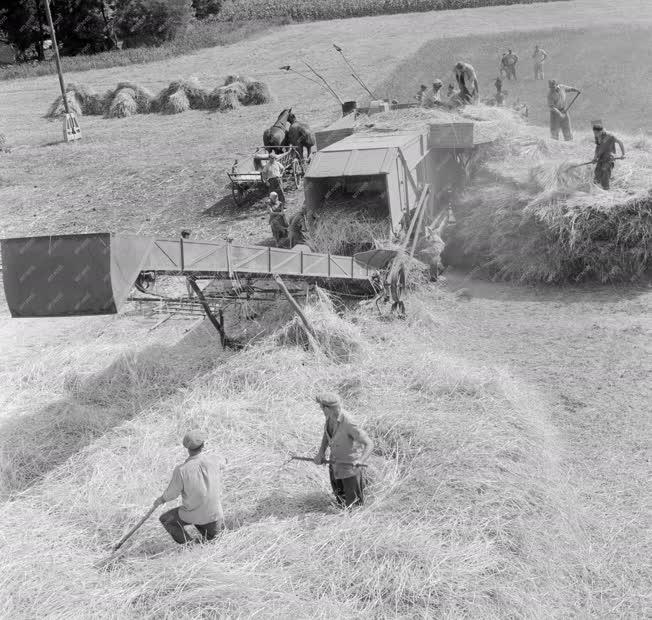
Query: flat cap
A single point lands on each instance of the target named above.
(193, 439)
(328, 398)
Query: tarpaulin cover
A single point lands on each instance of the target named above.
(71, 275)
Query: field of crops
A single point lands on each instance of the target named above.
(303, 10)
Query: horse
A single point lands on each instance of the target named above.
(300, 136)
(277, 134)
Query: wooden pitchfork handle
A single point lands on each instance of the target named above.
(133, 530)
(329, 461)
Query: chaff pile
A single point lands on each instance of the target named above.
(346, 224)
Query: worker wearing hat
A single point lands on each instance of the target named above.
(278, 221)
(272, 175)
(605, 151)
(199, 482)
(559, 117)
(349, 447)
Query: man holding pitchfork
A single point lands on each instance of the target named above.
(349, 446)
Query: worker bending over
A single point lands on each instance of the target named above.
(199, 482)
(559, 117)
(605, 150)
(467, 82)
(349, 447)
(539, 55)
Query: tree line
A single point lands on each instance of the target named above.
(92, 26)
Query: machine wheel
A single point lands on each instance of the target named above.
(239, 194)
(396, 288)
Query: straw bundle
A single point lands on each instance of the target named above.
(57, 109)
(123, 104)
(142, 96)
(181, 95)
(230, 97)
(258, 93)
(346, 224)
(337, 338)
(176, 103)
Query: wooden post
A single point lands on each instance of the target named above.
(312, 337)
(207, 309)
(70, 124)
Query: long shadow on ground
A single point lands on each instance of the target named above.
(34, 444)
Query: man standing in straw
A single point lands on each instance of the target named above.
(467, 82)
(349, 446)
(277, 219)
(539, 57)
(605, 150)
(199, 482)
(559, 117)
(272, 174)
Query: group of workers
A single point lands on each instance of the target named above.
(557, 101)
(198, 480)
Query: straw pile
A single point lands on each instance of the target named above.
(338, 339)
(129, 98)
(142, 96)
(57, 109)
(181, 95)
(258, 93)
(348, 224)
(228, 97)
(123, 104)
(531, 217)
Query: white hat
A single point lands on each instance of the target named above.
(273, 195)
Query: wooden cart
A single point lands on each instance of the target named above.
(243, 183)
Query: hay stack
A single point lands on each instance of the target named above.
(229, 97)
(182, 95)
(529, 217)
(123, 104)
(345, 225)
(176, 103)
(258, 93)
(142, 96)
(57, 108)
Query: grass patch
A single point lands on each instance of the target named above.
(203, 34)
(604, 83)
(308, 10)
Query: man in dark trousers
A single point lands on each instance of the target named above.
(199, 482)
(272, 174)
(605, 150)
(349, 446)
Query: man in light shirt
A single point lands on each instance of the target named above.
(349, 447)
(557, 102)
(273, 175)
(199, 482)
(539, 57)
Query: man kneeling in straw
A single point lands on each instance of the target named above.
(345, 438)
(199, 482)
